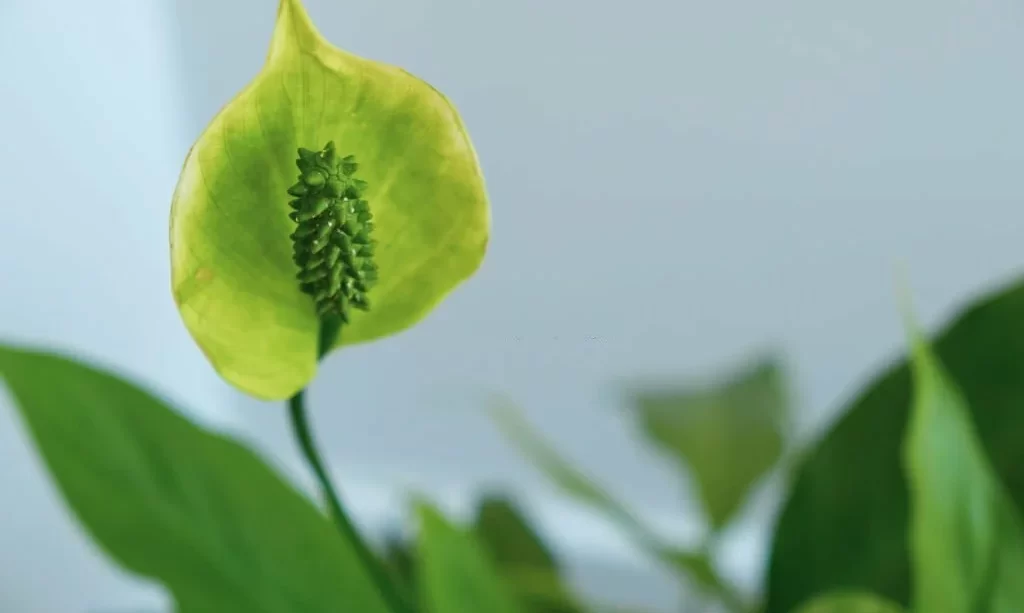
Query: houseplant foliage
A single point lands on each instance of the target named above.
(850, 493)
(194, 510)
(966, 537)
(961, 541)
(726, 435)
(223, 531)
(233, 273)
(337, 200)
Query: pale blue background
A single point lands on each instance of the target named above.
(677, 185)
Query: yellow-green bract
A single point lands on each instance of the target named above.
(233, 277)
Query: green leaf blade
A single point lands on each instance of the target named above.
(232, 273)
(726, 436)
(193, 510)
(523, 559)
(967, 541)
(456, 574)
(850, 490)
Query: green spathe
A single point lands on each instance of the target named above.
(233, 276)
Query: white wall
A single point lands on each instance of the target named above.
(686, 181)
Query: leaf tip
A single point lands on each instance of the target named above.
(920, 354)
(429, 518)
(293, 29)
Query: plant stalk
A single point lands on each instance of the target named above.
(304, 436)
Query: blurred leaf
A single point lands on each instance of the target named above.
(522, 558)
(194, 510)
(543, 455)
(851, 602)
(967, 541)
(727, 436)
(845, 523)
(233, 277)
(456, 575)
(571, 481)
(693, 565)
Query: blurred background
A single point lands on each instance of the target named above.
(677, 188)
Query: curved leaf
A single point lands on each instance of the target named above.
(845, 524)
(967, 540)
(525, 561)
(695, 565)
(196, 511)
(727, 436)
(456, 574)
(233, 276)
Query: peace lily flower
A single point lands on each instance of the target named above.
(378, 217)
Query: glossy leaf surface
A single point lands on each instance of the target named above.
(195, 511)
(850, 493)
(967, 541)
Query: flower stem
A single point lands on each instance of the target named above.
(304, 436)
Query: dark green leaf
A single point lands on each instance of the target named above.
(522, 558)
(967, 542)
(456, 575)
(845, 523)
(399, 561)
(850, 602)
(193, 510)
(726, 436)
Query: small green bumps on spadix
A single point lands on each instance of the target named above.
(331, 243)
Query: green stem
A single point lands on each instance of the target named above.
(304, 436)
